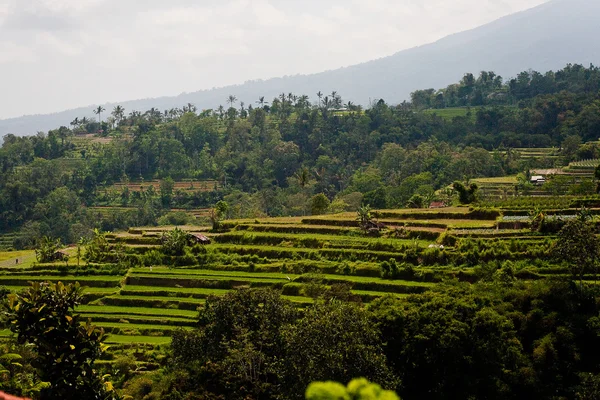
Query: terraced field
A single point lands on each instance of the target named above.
(301, 257)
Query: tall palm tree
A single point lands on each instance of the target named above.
(261, 101)
(75, 122)
(189, 108)
(231, 100)
(98, 111)
(118, 112)
(320, 96)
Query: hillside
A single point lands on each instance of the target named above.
(544, 38)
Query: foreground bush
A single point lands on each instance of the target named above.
(358, 389)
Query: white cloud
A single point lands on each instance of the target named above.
(92, 51)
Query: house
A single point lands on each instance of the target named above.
(538, 180)
(437, 204)
(198, 238)
(60, 256)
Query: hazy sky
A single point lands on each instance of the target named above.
(60, 54)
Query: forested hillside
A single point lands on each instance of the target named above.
(273, 157)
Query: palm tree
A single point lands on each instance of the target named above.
(98, 111)
(84, 121)
(319, 95)
(118, 112)
(242, 109)
(75, 122)
(261, 101)
(231, 100)
(189, 108)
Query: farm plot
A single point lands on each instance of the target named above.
(300, 257)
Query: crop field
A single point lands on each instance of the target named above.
(302, 257)
(450, 113)
(188, 186)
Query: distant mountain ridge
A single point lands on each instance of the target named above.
(544, 38)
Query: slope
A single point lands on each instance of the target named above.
(543, 38)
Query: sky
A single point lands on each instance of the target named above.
(62, 54)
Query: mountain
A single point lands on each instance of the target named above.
(543, 38)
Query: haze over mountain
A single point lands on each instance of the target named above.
(544, 38)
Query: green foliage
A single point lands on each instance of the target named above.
(98, 249)
(466, 195)
(65, 347)
(358, 389)
(319, 204)
(218, 214)
(364, 216)
(348, 346)
(174, 242)
(578, 245)
(46, 251)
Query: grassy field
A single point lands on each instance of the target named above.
(450, 113)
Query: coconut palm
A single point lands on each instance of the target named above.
(231, 100)
(189, 107)
(119, 113)
(98, 111)
(75, 122)
(261, 102)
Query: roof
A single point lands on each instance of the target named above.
(537, 178)
(200, 237)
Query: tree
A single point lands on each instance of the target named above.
(231, 100)
(466, 196)
(118, 113)
(98, 111)
(66, 349)
(98, 249)
(449, 341)
(578, 245)
(349, 345)
(174, 242)
(47, 249)
(218, 213)
(358, 389)
(319, 204)
(80, 243)
(364, 216)
(166, 191)
(238, 351)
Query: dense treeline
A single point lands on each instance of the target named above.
(497, 340)
(273, 158)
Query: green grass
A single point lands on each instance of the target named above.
(501, 180)
(139, 327)
(365, 279)
(138, 319)
(125, 339)
(164, 271)
(141, 311)
(450, 113)
(133, 290)
(160, 298)
(7, 255)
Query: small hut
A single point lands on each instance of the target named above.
(60, 256)
(198, 238)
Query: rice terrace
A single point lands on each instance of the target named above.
(442, 248)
